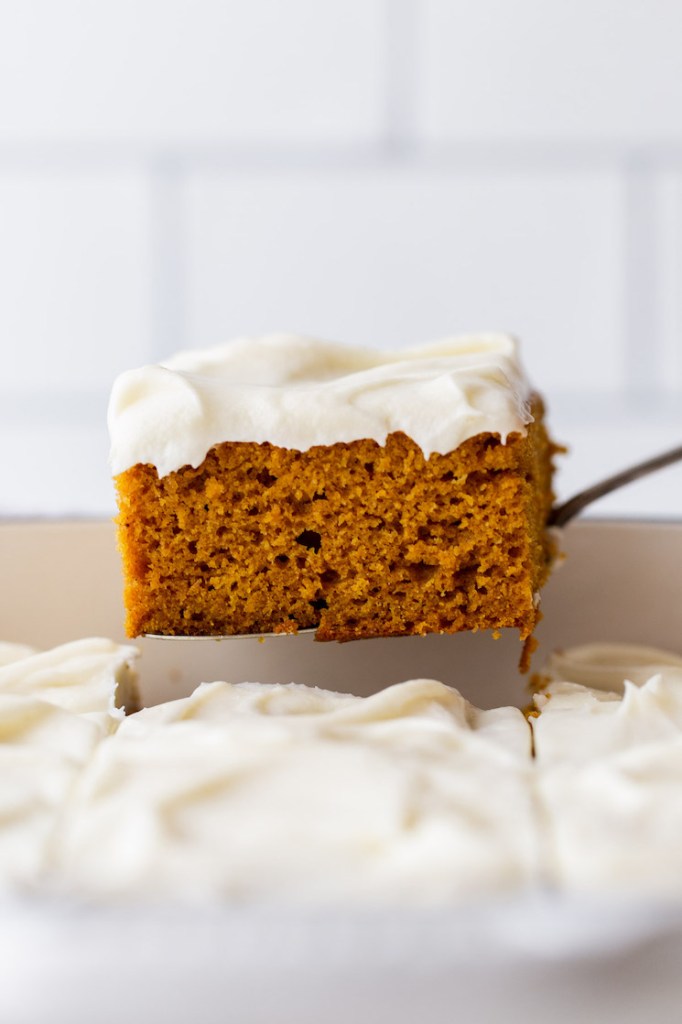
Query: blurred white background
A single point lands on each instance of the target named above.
(176, 172)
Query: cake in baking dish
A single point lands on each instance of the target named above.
(290, 795)
(56, 707)
(607, 740)
(283, 794)
(283, 483)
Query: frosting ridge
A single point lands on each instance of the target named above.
(297, 392)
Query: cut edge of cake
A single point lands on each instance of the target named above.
(288, 540)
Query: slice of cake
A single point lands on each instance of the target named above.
(282, 483)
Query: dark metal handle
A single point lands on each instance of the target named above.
(561, 514)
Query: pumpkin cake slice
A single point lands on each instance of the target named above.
(282, 483)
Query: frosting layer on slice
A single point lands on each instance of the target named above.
(297, 392)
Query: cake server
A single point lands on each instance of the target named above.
(559, 516)
(562, 514)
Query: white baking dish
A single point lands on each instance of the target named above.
(534, 958)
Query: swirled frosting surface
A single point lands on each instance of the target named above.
(298, 392)
(609, 769)
(55, 708)
(288, 794)
(272, 794)
(93, 676)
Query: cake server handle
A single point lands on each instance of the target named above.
(562, 514)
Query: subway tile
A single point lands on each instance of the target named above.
(530, 70)
(55, 468)
(192, 71)
(73, 476)
(668, 263)
(75, 273)
(394, 257)
(599, 445)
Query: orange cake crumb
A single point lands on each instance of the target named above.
(354, 539)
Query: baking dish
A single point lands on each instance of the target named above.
(528, 958)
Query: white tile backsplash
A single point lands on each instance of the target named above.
(188, 72)
(54, 468)
(530, 70)
(173, 172)
(598, 448)
(74, 278)
(73, 476)
(393, 257)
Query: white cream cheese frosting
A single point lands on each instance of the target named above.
(90, 676)
(297, 392)
(615, 825)
(606, 666)
(278, 794)
(14, 652)
(604, 698)
(286, 794)
(609, 770)
(55, 708)
(578, 724)
(42, 750)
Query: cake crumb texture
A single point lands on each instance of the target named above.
(356, 539)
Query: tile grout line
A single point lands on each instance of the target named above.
(642, 349)
(401, 77)
(168, 258)
(669, 227)
(399, 146)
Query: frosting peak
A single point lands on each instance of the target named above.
(297, 392)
